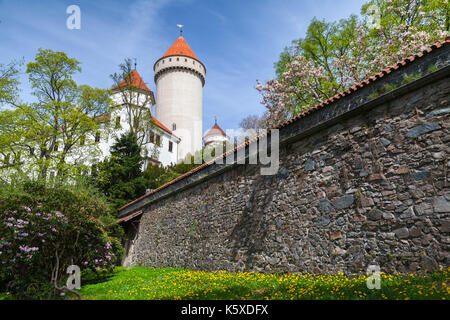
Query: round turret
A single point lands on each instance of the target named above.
(215, 135)
(179, 79)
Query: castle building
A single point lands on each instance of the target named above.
(176, 127)
(160, 146)
(175, 130)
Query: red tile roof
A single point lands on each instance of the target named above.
(336, 97)
(134, 80)
(215, 130)
(131, 216)
(180, 48)
(159, 124)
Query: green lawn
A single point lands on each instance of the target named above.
(141, 283)
(148, 283)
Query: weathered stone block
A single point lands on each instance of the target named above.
(385, 142)
(445, 226)
(323, 221)
(374, 215)
(309, 164)
(335, 235)
(408, 213)
(324, 205)
(415, 232)
(344, 202)
(282, 173)
(388, 216)
(402, 233)
(404, 169)
(438, 112)
(441, 204)
(420, 175)
(422, 129)
(340, 221)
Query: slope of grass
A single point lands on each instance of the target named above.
(147, 283)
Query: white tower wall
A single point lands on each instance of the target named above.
(179, 85)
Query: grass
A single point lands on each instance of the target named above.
(141, 283)
(432, 68)
(385, 89)
(4, 296)
(407, 78)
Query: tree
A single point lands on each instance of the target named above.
(335, 55)
(250, 122)
(405, 27)
(120, 176)
(8, 82)
(52, 132)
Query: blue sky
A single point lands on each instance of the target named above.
(237, 40)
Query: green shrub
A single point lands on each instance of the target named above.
(45, 229)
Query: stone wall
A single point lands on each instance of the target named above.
(370, 187)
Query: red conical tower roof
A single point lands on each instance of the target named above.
(134, 80)
(180, 48)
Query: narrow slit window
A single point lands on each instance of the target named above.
(152, 137)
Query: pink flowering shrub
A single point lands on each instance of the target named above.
(43, 231)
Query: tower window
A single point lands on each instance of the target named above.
(178, 59)
(170, 146)
(158, 139)
(170, 59)
(152, 137)
(193, 62)
(174, 126)
(185, 60)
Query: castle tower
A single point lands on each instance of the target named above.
(179, 79)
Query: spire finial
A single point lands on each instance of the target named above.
(181, 29)
(135, 63)
(215, 120)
